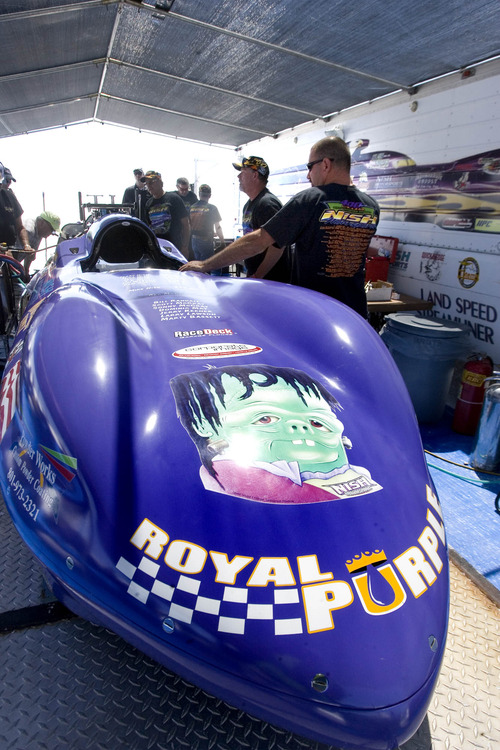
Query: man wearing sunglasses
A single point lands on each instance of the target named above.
(331, 224)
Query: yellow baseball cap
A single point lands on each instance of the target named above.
(52, 219)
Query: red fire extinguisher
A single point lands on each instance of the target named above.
(470, 399)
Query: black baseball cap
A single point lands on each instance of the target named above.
(253, 162)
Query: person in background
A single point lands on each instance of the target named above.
(187, 195)
(138, 195)
(253, 176)
(166, 213)
(8, 179)
(11, 224)
(45, 224)
(188, 198)
(331, 224)
(205, 222)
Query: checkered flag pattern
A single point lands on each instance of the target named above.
(232, 611)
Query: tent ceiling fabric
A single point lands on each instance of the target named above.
(224, 71)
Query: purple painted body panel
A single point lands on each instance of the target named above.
(252, 592)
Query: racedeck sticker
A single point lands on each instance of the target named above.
(208, 351)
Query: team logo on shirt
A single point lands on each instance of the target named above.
(352, 213)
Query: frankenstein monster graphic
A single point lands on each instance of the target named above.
(268, 434)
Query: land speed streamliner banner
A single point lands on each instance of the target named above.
(463, 287)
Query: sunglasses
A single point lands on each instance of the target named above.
(311, 164)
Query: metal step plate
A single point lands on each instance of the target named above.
(464, 709)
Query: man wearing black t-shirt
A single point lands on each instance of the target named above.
(166, 214)
(188, 196)
(253, 175)
(205, 221)
(137, 194)
(331, 224)
(11, 224)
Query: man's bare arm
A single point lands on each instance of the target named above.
(219, 233)
(185, 235)
(23, 235)
(236, 252)
(272, 256)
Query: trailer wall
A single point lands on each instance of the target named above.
(432, 160)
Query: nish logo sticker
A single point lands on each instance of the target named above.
(209, 351)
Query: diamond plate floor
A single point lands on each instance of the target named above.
(71, 685)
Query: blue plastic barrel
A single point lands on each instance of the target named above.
(425, 351)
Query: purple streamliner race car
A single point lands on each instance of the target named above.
(228, 473)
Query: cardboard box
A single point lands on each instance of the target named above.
(379, 291)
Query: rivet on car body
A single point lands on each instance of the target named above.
(320, 683)
(168, 625)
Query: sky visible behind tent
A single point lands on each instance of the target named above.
(52, 167)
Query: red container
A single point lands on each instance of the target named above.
(377, 269)
(471, 396)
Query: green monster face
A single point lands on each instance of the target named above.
(274, 424)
